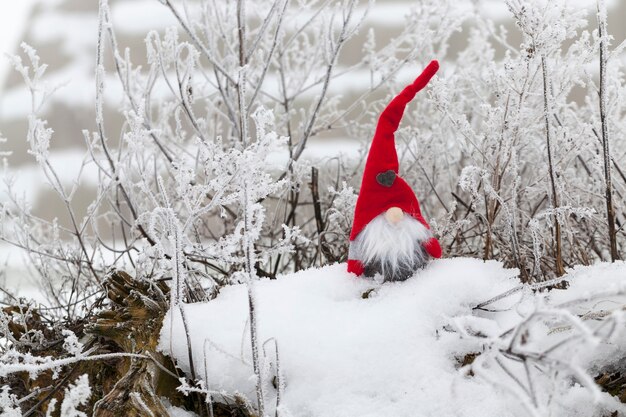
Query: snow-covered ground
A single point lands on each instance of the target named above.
(397, 352)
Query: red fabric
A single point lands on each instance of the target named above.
(433, 247)
(356, 267)
(375, 198)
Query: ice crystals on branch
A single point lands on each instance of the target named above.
(71, 344)
(76, 395)
(9, 403)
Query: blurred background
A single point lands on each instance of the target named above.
(64, 32)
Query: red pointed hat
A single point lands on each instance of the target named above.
(382, 187)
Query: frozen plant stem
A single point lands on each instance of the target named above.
(248, 245)
(178, 291)
(255, 348)
(606, 154)
(558, 258)
(241, 31)
(251, 276)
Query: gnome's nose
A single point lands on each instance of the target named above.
(394, 215)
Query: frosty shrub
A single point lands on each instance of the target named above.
(506, 155)
(523, 156)
(206, 184)
(547, 346)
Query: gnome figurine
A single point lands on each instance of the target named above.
(389, 235)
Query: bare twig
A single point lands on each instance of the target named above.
(559, 269)
(606, 153)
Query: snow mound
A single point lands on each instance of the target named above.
(393, 352)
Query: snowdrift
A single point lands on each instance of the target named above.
(352, 347)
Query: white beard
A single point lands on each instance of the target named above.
(393, 250)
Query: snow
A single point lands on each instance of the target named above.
(76, 395)
(174, 411)
(13, 18)
(76, 87)
(389, 14)
(29, 180)
(76, 31)
(391, 354)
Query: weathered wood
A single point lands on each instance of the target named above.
(130, 322)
